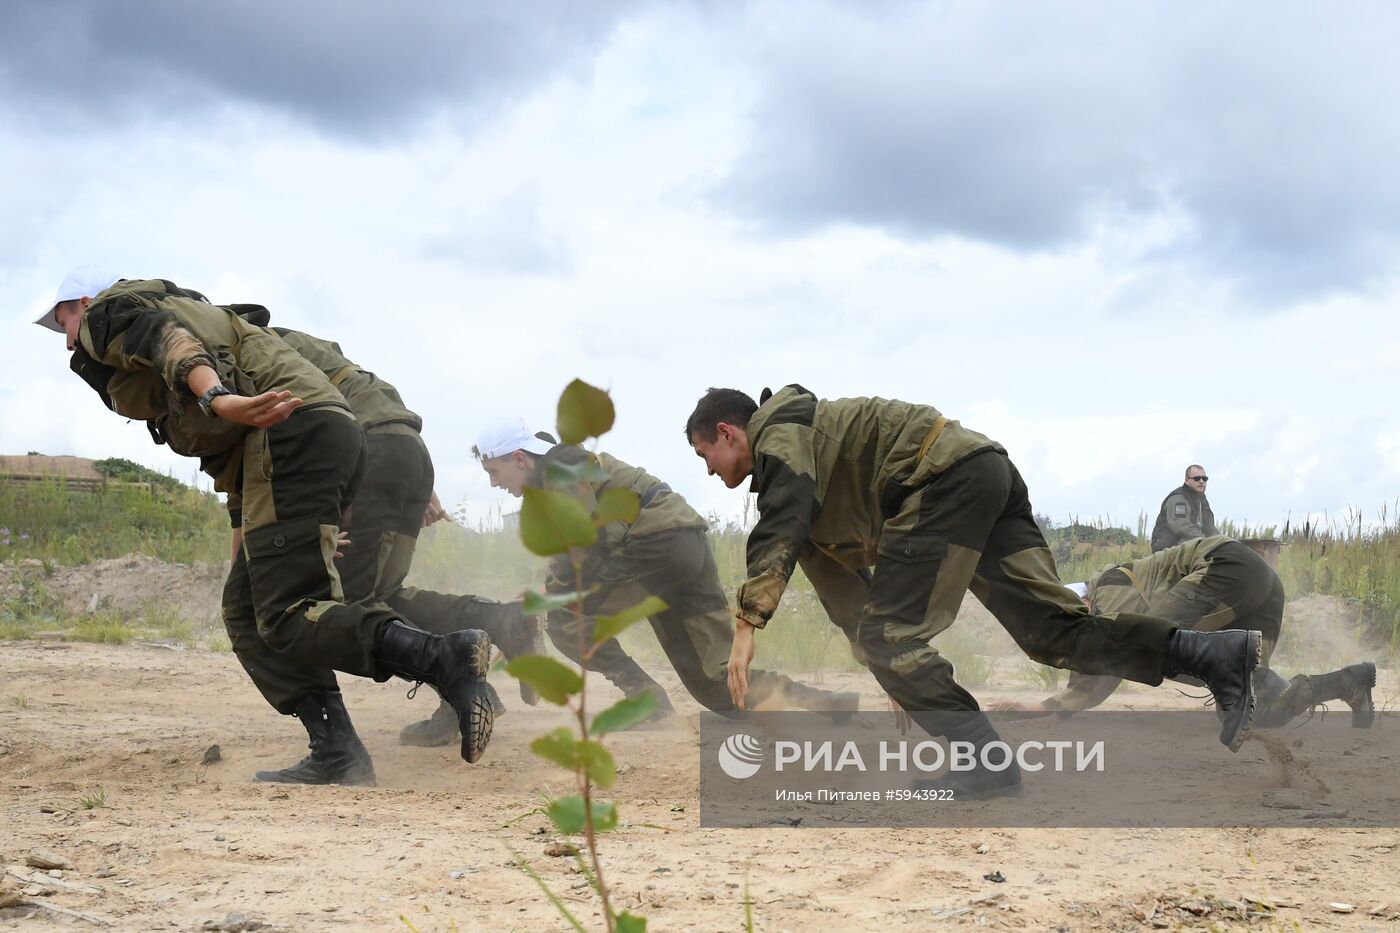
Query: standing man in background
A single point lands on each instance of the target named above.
(1185, 513)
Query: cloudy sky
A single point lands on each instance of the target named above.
(1119, 239)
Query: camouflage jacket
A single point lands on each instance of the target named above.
(829, 473)
(1185, 514)
(662, 509)
(375, 403)
(139, 340)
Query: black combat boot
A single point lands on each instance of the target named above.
(1225, 662)
(1352, 684)
(454, 665)
(441, 727)
(337, 754)
(979, 782)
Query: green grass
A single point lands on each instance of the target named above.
(54, 522)
(97, 797)
(103, 629)
(1355, 557)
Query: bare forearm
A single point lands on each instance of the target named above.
(201, 379)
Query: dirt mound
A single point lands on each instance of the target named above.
(128, 586)
(41, 465)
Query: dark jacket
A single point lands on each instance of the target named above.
(1185, 514)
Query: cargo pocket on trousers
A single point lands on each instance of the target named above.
(293, 561)
(905, 570)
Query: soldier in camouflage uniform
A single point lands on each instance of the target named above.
(280, 440)
(664, 553)
(1185, 513)
(935, 509)
(1209, 584)
(392, 503)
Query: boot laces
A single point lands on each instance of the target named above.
(413, 691)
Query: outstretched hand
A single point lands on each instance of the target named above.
(902, 720)
(740, 657)
(258, 411)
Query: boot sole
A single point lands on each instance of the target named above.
(1254, 655)
(476, 737)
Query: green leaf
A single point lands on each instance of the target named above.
(597, 762)
(558, 746)
(611, 626)
(551, 522)
(558, 474)
(584, 411)
(551, 679)
(624, 714)
(617, 505)
(566, 814)
(630, 923)
(535, 603)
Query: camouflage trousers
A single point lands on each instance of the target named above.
(1234, 588)
(284, 605)
(971, 527)
(696, 630)
(383, 522)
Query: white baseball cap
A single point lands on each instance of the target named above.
(508, 435)
(82, 282)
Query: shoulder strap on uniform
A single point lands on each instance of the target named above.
(343, 373)
(933, 432)
(1127, 571)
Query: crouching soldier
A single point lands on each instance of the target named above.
(935, 509)
(280, 440)
(664, 553)
(392, 503)
(1209, 584)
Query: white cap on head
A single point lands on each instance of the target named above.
(508, 435)
(82, 282)
(1078, 589)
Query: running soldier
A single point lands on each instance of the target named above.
(935, 509)
(281, 441)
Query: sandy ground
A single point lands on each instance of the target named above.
(177, 845)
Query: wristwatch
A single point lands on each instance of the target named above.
(206, 401)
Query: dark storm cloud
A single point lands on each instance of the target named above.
(1268, 126)
(354, 67)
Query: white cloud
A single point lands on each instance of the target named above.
(482, 267)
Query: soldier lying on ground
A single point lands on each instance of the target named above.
(664, 553)
(280, 440)
(935, 509)
(1206, 585)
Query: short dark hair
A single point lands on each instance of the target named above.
(1194, 466)
(719, 405)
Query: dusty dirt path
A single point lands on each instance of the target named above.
(175, 844)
